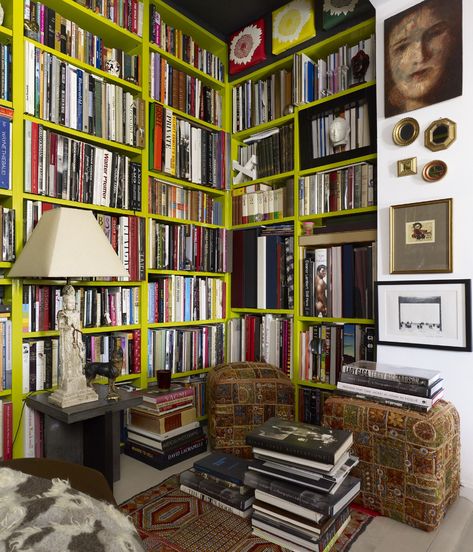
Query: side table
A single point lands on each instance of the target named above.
(87, 434)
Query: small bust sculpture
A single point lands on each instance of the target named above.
(339, 132)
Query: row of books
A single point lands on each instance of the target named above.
(98, 306)
(64, 168)
(183, 46)
(324, 348)
(271, 251)
(302, 484)
(99, 348)
(351, 187)
(273, 149)
(338, 281)
(187, 93)
(61, 93)
(6, 430)
(311, 404)
(258, 102)
(6, 122)
(266, 338)
(172, 200)
(33, 433)
(357, 120)
(40, 363)
(177, 298)
(187, 247)
(6, 72)
(164, 430)
(415, 388)
(259, 202)
(127, 236)
(127, 14)
(185, 349)
(314, 80)
(5, 353)
(50, 28)
(186, 151)
(7, 233)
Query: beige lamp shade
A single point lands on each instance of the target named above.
(67, 243)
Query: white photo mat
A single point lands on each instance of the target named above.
(433, 314)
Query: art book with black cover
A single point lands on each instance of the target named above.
(224, 466)
(302, 440)
(327, 504)
(392, 372)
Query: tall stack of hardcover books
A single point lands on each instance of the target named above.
(302, 484)
(415, 388)
(219, 478)
(163, 430)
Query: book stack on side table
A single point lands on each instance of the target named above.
(415, 388)
(163, 430)
(302, 484)
(219, 478)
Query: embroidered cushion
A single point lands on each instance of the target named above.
(243, 395)
(409, 461)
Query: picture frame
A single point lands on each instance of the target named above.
(406, 167)
(246, 47)
(433, 314)
(405, 131)
(434, 170)
(440, 134)
(421, 237)
(292, 24)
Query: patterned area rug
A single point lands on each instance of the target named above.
(169, 520)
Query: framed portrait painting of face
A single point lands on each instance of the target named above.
(423, 56)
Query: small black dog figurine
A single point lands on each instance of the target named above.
(110, 370)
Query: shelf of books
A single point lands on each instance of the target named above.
(304, 214)
(121, 111)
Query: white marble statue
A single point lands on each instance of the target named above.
(339, 132)
(73, 387)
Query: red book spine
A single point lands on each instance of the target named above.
(34, 157)
(7, 430)
(46, 306)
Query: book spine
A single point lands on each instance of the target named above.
(389, 385)
(376, 374)
(215, 502)
(321, 456)
(161, 460)
(386, 394)
(181, 393)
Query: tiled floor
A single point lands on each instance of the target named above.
(137, 476)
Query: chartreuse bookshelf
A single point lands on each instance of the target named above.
(113, 36)
(316, 51)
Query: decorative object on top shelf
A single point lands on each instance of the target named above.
(163, 379)
(405, 131)
(112, 66)
(435, 314)
(434, 170)
(440, 134)
(407, 167)
(433, 27)
(247, 47)
(336, 12)
(359, 66)
(292, 24)
(68, 243)
(421, 237)
(110, 370)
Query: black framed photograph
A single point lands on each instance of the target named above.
(435, 314)
(421, 237)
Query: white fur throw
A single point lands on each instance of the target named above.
(43, 515)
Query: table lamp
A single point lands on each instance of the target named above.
(66, 244)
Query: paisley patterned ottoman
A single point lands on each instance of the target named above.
(409, 461)
(242, 395)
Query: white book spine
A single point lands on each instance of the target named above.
(385, 394)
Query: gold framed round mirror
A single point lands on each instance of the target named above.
(405, 131)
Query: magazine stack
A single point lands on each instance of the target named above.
(415, 388)
(219, 478)
(164, 430)
(302, 484)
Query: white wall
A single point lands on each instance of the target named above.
(457, 367)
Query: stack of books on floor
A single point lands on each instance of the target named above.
(163, 430)
(302, 484)
(415, 388)
(219, 478)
